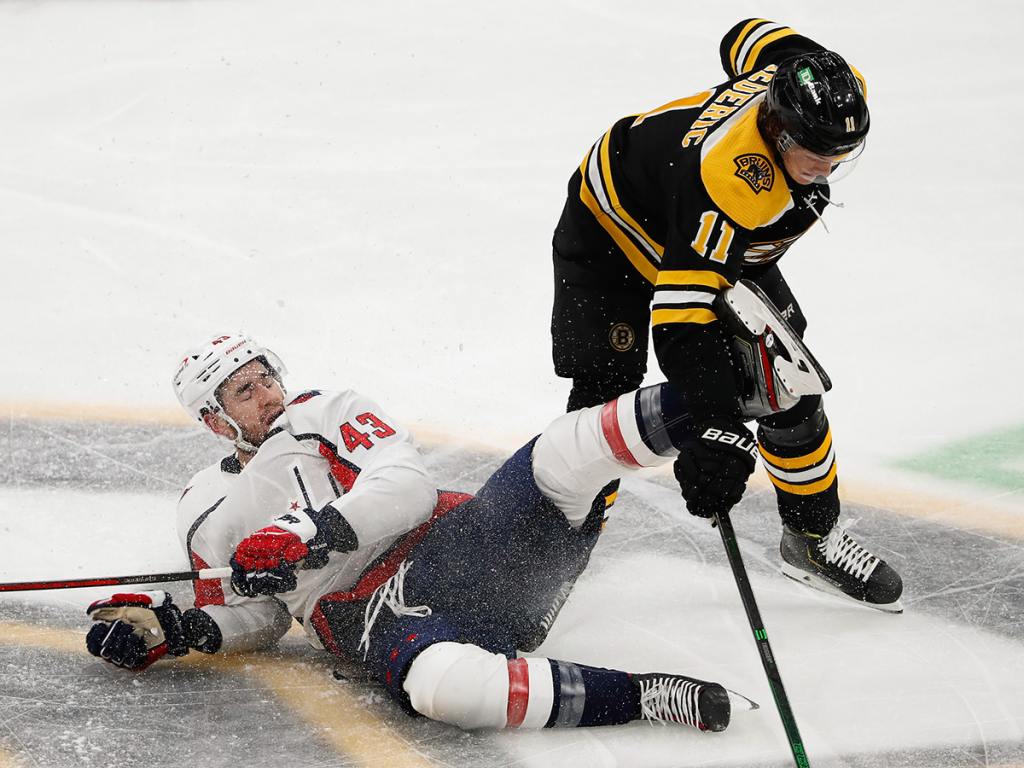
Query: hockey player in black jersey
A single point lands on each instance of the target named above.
(667, 210)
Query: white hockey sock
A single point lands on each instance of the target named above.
(581, 452)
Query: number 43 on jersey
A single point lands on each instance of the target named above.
(354, 438)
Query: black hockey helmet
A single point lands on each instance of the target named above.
(816, 101)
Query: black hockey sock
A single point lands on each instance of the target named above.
(589, 696)
(796, 447)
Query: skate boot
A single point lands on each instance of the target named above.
(837, 564)
(666, 698)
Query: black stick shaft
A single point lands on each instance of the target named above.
(771, 669)
(107, 581)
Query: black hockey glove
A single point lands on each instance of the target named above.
(715, 460)
(265, 562)
(134, 629)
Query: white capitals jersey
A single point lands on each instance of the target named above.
(328, 447)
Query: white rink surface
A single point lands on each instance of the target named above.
(860, 681)
(371, 190)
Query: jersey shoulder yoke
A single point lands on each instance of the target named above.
(740, 172)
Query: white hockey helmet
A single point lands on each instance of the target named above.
(206, 367)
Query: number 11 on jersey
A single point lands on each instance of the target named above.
(700, 242)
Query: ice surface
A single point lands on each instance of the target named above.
(371, 189)
(940, 685)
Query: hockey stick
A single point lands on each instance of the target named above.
(771, 669)
(106, 581)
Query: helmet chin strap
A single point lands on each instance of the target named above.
(240, 442)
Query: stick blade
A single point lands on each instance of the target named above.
(741, 703)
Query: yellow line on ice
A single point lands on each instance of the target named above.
(971, 515)
(957, 514)
(175, 417)
(338, 717)
(961, 514)
(43, 411)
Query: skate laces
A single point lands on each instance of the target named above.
(841, 550)
(670, 699)
(392, 594)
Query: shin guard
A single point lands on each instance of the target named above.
(581, 452)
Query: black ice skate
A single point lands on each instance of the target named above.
(666, 698)
(837, 564)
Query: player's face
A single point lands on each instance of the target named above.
(254, 399)
(805, 166)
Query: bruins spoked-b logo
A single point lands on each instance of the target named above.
(622, 337)
(756, 170)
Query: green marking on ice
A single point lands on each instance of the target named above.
(995, 459)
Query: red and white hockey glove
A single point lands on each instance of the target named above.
(265, 562)
(135, 629)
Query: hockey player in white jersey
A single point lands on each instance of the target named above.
(326, 513)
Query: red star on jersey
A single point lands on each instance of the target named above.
(295, 505)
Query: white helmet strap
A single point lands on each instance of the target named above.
(240, 442)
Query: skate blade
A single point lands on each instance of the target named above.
(818, 583)
(740, 703)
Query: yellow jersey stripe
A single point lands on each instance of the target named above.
(739, 43)
(690, 102)
(799, 462)
(810, 488)
(760, 44)
(668, 316)
(637, 259)
(583, 165)
(613, 196)
(610, 499)
(693, 277)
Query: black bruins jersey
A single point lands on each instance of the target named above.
(693, 198)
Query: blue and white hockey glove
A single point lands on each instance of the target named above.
(714, 462)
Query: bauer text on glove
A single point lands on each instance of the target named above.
(713, 465)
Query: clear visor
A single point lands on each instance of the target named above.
(842, 165)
